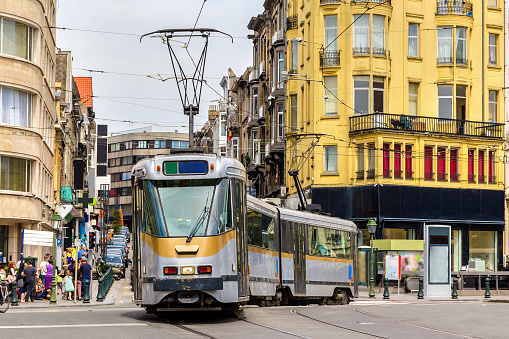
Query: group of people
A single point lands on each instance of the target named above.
(35, 283)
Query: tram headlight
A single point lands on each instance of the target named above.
(170, 270)
(187, 270)
(205, 269)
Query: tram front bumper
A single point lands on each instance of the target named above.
(188, 284)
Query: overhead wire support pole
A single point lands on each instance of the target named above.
(189, 88)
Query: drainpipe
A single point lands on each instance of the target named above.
(483, 64)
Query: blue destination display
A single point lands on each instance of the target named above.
(185, 167)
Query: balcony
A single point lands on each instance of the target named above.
(329, 58)
(370, 173)
(387, 2)
(425, 125)
(292, 22)
(398, 174)
(360, 175)
(379, 51)
(492, 179)
(361, 50)
(471, 178)
(454, 7)
(482, 178)
(330, 2)
(441, 176)
(455, 177)
(429, 175)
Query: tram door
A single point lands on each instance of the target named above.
(240, 215)
(137, 222)
(299, 259)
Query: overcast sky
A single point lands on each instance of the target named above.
(124, 97)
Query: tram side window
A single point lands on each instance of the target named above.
(221, 219)
(238, 197)
(260, 230)
(329, 243)
(153, 222)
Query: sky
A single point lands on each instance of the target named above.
(133, 96)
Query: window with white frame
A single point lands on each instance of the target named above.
(293, 112)
(16, 39)
(361, 43)
(445, 101)
(444, 45)
(413, 40)
(361, 93)
(331, 32)
(413, 98)
(142, 144)
(461, 45)
(223, 125)
(331, 158)
(16, 107)
(378, 35)
(235, 148)
(280, 123)
(294, 57)
(378, 94)
(281, 68)
(493, 95)
(330, 95)
(493, 49)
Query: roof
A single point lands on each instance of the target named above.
(85, 88)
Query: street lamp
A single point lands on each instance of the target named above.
(371, 225)
(56, 220)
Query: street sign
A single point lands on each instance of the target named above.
(59, 242)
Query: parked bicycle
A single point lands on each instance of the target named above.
(5, 296)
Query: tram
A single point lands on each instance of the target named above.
(200, 243)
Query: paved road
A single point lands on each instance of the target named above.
(358, 320)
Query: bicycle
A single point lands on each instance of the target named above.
(5, 296)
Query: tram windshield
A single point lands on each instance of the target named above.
(186, 207)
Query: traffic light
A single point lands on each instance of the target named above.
(91, 240)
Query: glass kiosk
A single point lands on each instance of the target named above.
(437, 260)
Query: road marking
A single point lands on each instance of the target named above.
(74, 325)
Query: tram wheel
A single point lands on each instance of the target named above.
(345, 300)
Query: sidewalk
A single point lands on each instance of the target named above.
(108, 300)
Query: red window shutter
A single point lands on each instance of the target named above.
(408, 162)
(397, 160)
(454, 165)
(481, 166)
(428, 162)
(471, 166)
(387, 163)
(441, 175)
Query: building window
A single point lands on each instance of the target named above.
(453, 164)
(441, 173)
(397, 161)
(428, 163)
(222, 151)
(331, 93)
(461, 45)
(293, 112)
(235, 148)
(361, 34)
(378, 35)
(254, 104)
(281, 68)
(413, 40)
(360, 162)
(493, 3)
(493, 49)
(413, 98)
(408, 162)
(386, 161)
(361, 94)
(492, 179)
(159, 143)
(378, 94)
(493, 105)
(223, 125)
(331, 32)
(280, 123)
(16, 39)
(294, 57)
(445, 98)
(331, 159)
(142, 144)
(480, 169)
(16, 107)
(482, 245)
(370, 174)
(444, 45)
(15, 174)
(126, 176)
(471, 165)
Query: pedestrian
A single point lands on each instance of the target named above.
(42, 268)
(69, 256)
(3, 274)
(59, 281)
(49, 275)
(40, 290)
(29, 274)
(20, 282)
(68, 285)
(11, 272)
(86, 275)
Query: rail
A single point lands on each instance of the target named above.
(443, 126)
(329, 58)
(291, 22)
(105, 284)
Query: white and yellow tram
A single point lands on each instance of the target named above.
(199, 242)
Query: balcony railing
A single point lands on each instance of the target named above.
(445, 60)
(360, 175)
(387, 2)
(370, 173)
(327, 2)
(329, 58)
(409, 174)
(386, 173)
(380, 51)
(441, 176)
(455, 177)
(292, 22)
(429, 175)
(442, 126)
(454, 7)
(482, 178)
(461, 61)
(361, 50)
(398, 174)
(492, 179)
(471, 178)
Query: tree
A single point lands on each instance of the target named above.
(116, 221)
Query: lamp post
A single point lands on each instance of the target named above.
(56, 220)
(371, 225)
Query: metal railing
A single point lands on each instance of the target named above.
(398, 174)
(362, 50)
(441, 176)
(380, 51)
(471, 178)
(292, 22)
(454, 7)
(481, 179)
(443, 126)
(455, 177)
(105, 284)
(360, 175)
(327, 2)
(429, 175)
(370, 174)
(445, 60)
(329, 58)
(492, 179)
(387, 2)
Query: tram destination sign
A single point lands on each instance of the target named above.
(185, 167)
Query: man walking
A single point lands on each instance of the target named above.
(43, 268)
(85, 273)
(29, 274)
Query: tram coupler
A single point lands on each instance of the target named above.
(386, 288)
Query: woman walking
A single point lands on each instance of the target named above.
(49, 275)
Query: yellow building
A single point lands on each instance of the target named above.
(410, 123)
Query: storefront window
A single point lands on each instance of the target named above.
(456, 250)
(483, 247)
(399, 233)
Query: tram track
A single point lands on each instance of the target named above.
(273, 328)
(187, 329)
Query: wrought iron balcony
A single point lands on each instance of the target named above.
(492, 179)
(445, 60)
(471, 178)
(482, 178)
(398, 174)
(360, 175)
(380, 51)
(327, 2)
(329, 58)
(370, 173)
(415, 124)
(454, 7)
(441, 176)
(387, 2)
(455, 177)
(429, 175)
(292, 22)
(361, 50)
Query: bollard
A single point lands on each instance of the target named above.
(386, 288)
(487, 294)
(86, 296)
(420, 294)
(454, 288)
(100, 293)
(14, 292)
